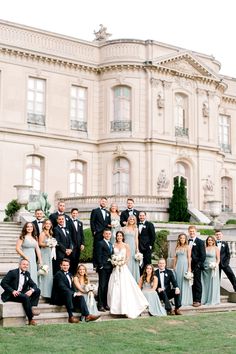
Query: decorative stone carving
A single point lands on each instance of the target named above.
(162, 181)
(208, 186)
(160, 101)
(205, 110)
(119, 151)
(101, 34)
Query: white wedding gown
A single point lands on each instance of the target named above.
(124, 297)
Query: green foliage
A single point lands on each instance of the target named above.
(87, 254)
(230, 221)
(208, 232)
(12, 207)
(161, 244)
(178, 208)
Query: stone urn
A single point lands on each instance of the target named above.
(215, 209)
(23, 193)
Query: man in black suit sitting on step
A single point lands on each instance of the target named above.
(167, 288)
(63, 293)
(19, 287)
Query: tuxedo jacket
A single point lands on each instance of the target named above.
(170, 281)
(125, 214)
(63, 242)
(35, 223)
(53, 217)
(77, 236)
(198, 254)
(61, 288)
(104, 254)
(224, 254)
(147, 236)
(97, 222)
(11, 282)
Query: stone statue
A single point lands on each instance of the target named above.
(205, 110)
(160, 101)
(44, 204)
(102, 34)
(162, 181)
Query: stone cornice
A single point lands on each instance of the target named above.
(229, 99)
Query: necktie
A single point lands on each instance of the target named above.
(110, 246)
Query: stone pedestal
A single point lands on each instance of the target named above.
(23, 193)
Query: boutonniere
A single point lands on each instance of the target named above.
(26, 278)
(79, 224)
(194, 244)
(144, 227)
(107, 215)
(222, 245)
(166, 275)
(67, 231)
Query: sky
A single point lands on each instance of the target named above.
(204, 26)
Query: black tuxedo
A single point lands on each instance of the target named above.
(125, 214)
(63, 243)
(146, 241)
(35, 223)
(170, 284)
(63, 294)
(98, 224)
(224, 263)
(198, 256)
(77, 240)
(104, 271)
(53, 217)
(11, 282)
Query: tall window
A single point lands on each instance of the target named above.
(78, 108)
(224, 133)
(121, 176)
(181, 114)
(77, 178)
(122, 109)
(226, 193)
(182, 170)
(33, 174)
(36, 101)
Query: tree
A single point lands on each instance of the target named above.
(178, 208)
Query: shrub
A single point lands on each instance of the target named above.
(178, 208)
(208, 232)
(230, 221)
(161, 244)
(12, 207)
(87, 254)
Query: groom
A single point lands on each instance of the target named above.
(104, 269)
(19, 287)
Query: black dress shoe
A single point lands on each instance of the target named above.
(107, 308)
(101, 309)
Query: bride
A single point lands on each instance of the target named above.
(124, 297)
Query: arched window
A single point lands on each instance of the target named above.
(122, 109)
(77, 178)
(33, 173)
(226, 193)
(181, 114)
(121, 176)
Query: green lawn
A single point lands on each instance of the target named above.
(204, 333)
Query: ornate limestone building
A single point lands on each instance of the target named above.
(120, 118)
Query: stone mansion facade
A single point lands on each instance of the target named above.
(119, 118)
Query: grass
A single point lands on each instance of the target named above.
(204, 333)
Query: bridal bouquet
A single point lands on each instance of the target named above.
(189, 276)
(213, 266)
(115, 223)
(139, 258)
(43, 270)
(117, 260)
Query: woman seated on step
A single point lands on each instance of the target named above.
(83, 285)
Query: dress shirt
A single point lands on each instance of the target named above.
(191, 242)
(103, 210)
(21, 280)
(68, 277)
(219, 244)
(162, 274)
(75, 221)
(63, 229)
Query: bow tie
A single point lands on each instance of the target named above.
(22, 272)
(141, 223)
(190, 240)
(66, 273)
(75, 220)
(218, 241)
(103, 208)
(39, 222)
(162, 271)
(130, 209)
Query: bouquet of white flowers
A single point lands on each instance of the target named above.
(43, 270)
(189, 276)
(213, 266)
(117, 260)
(114, 223)
(139, 258)
(52, 243)
(91, 288)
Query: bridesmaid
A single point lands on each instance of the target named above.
(45, 281)
(210, 275)
(182, 264)
(115, 221)
(27, 247)
(80, 281)
(148, 284)
(131, 238)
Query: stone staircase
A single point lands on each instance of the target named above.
(12, 314)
